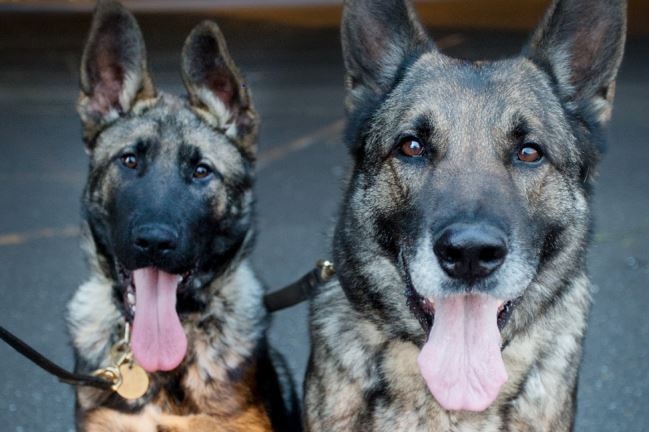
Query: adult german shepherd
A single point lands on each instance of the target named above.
(168, 227)
(462, 296)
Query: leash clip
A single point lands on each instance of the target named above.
(326, 270)
(110, 374)
(129, 380)
(302, 289)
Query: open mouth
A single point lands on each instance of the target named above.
(461, 360)
(128, 288)
(158, 340)
(424, 310)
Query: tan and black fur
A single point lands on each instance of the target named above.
(476, 123)
(187, 162)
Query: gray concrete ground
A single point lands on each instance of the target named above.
(296, 78)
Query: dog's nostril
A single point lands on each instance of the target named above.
(490, 254)
(450, 254)
(141, 243)
(166, 245)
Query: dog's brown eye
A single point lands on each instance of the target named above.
(411, 147)
(530, 154)
(201, 171)
(129, 161)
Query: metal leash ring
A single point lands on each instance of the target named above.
(110, 374)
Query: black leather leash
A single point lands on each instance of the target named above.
(44, 363)
(293, 294)
(300, 290)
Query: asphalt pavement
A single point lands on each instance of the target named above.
(296, 77)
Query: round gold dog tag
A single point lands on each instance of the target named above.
(135, 381)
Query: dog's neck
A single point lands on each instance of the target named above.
(96, 324)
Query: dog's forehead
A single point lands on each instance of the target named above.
(170, 122)
(465, 101)
(490, 92)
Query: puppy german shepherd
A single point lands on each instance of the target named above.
(462, 297)
(168, 224)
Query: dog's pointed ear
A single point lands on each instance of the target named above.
(379, 37)
(215, 86)
(113, 68)
(580, 43)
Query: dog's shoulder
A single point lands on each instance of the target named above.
(335, 323)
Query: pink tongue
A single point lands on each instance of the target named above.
(158, 340)
(461, 361)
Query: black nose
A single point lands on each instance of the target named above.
(470, 252)
(155, 238)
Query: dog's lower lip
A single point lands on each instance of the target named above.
(504, 313)
(422, 308)
(428, 306)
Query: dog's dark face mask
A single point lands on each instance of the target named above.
(176, 207)
(168, 201)
(471, 181)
